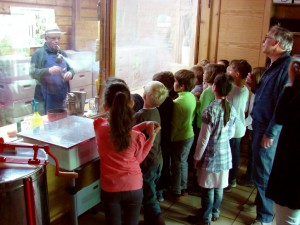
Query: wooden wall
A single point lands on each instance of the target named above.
(233, 29)
(288, 16)
(67, 13)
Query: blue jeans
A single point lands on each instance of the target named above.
(249, 171)
(211, 201)
(129, 202)
(151, 204)
(179, 165)
(235, 152)
(263, 161)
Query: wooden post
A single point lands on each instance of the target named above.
(107, 45)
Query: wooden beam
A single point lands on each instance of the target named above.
(107, 41)
(265, 29)
(204, 33)
(197, 36)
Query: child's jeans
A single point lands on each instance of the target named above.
(151, 204)
(129, 202)
(211, 201)
(179, 165)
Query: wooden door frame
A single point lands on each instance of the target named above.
(107, 41)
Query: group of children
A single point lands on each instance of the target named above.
(195, 116)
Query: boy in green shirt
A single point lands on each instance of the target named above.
(182, 131)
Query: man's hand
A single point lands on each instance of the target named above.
(266, 142)
(55, 70)
(251, 81)
(68, 76)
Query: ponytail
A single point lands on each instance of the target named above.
(227, 110)
(224, 84)
(117, 97)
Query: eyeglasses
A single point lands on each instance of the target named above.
(54, 38)
(268, 37)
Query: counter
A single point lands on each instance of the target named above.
(72, 141)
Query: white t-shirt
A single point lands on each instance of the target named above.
(239, 98)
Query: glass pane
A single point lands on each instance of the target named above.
(153, 36)
(24, 68)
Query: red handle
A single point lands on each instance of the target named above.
(35, 160)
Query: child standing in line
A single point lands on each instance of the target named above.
(166, 113)
(213, 156)
(154, 95)
(223, 62)
(197, 90)
(121, 151)
(210, 72)
(238, 97)
(247, 178)
(182, 131)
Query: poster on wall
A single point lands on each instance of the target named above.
(36, 20)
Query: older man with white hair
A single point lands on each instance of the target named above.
(277, 45)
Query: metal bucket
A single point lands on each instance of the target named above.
(23, 190)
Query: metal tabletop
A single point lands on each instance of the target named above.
(66, 133)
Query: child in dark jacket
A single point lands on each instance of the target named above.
(154, 95)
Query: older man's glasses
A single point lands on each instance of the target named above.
(268, 37)
(54, 38)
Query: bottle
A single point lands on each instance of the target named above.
(36, 117)
(19, 126)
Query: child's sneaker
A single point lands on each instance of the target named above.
(233, 183)
(184, 192)
(160, 196)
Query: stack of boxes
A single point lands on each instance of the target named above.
(82, 63)
(16, 88)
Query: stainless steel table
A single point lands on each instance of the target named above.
(72, 141)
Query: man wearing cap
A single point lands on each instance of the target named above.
(52, 72)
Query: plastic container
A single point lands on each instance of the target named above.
(37, 119)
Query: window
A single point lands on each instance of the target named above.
(153, 36)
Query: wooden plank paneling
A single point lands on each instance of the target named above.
(89, 4)
(86, 33)
(89, 13)
(238, 5)
(64, 15)
(287, 11)
(204, 37)
(64, 2)
(264, 29)
(240, 30)
(232, 29)
(237, 40)
(64, 21)
(22, 1)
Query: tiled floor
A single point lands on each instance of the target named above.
(176, 213)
